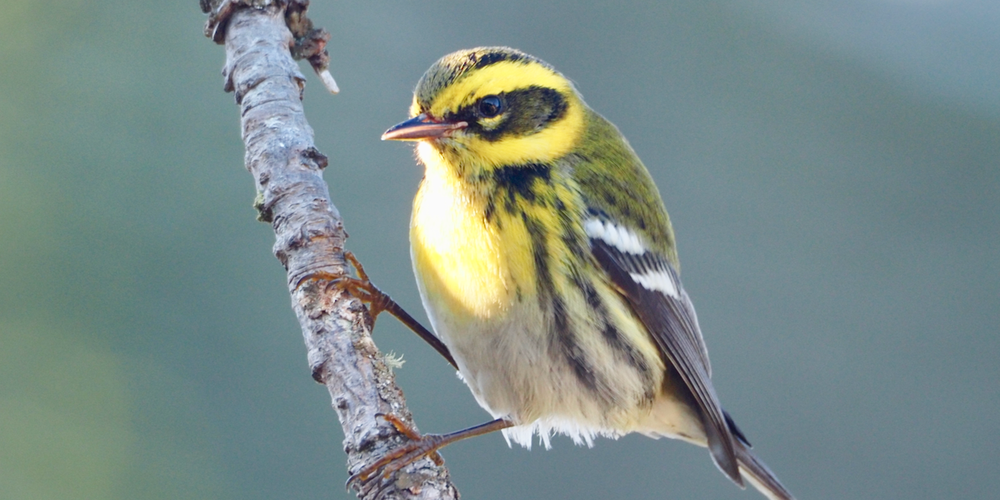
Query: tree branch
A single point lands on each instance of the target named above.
(310, 238)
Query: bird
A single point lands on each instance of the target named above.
(548, 268)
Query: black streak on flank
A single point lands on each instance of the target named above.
(571, 350)
(540, 255)
(570, 235)
(565, 338)
(614, 339)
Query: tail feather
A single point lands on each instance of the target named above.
(757, 474)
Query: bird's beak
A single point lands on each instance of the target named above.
(422, 127)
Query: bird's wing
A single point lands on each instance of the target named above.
(651, 285)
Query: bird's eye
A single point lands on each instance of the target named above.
(490, 106)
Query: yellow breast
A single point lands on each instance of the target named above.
(466, 270)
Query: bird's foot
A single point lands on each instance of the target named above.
(416, 448)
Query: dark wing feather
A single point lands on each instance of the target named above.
(672, 323)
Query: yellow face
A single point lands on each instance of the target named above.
(515, 109)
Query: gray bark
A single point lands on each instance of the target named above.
(310, 239)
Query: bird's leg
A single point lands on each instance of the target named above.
(418, 447)
(378, 301)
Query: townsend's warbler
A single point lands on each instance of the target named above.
(546, 262)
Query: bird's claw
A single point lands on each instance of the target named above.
(361, 287)
(405, 454)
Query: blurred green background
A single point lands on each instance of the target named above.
(832, 169)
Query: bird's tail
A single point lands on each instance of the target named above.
(757, 473)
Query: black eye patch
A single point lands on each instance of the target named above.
(524, 111)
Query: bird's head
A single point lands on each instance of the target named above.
(485, 108)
